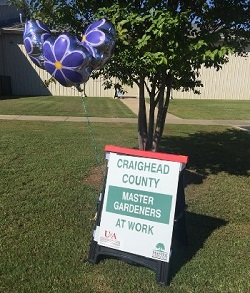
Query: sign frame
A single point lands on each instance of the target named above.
(119, 215)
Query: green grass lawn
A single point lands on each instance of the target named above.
(46, 205)
(109, 107)
(210, 109)
(65, 106)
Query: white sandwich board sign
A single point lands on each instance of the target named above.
(139, 202)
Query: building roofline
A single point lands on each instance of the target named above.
(11, 30)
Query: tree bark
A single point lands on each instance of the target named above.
(142, 119)
(151, 121)
(162, 111)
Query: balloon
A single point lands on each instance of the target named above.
(35, 33)
(99, 39)
(67, 60)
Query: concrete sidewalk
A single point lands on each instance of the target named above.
(131, 103)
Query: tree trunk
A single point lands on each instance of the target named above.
(162, 112)
(151, 121)
(142, 119)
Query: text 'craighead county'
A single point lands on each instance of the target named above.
(142, 166)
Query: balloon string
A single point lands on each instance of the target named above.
(94, 143)
(47, 82)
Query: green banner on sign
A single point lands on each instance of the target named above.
(145, 205)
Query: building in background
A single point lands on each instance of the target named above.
(9, 16)
(21, 77)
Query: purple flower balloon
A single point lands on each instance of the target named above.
(35, 33)
(67, 60)
(99, 39)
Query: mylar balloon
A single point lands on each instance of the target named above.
(67, 60)
(99, 39)
(35, 33)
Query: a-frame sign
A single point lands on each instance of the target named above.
(141, 204)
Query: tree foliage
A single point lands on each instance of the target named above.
(160, 45)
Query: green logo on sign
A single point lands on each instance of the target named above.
(150, 206)
(160, 246)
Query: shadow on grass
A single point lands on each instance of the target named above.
(200, 227)
(211, 153)
(14, 97)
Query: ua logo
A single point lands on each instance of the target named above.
(110, 235)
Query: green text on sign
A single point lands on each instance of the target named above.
(145, 205)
